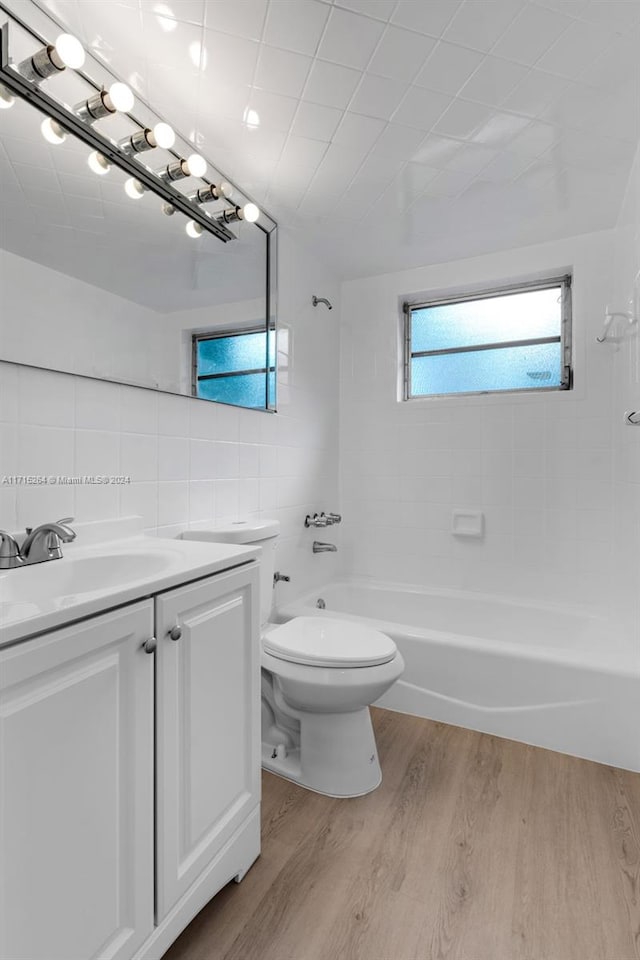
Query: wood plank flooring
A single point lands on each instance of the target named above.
(473, 848)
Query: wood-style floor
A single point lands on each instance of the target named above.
(473, 848)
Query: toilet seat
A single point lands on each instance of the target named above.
(325, 642)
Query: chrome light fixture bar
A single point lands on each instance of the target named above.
(16, 84)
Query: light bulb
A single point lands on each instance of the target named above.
(164, 136)
(133, 188)
(69, 51)
(168, 209)
(52, 131)
(226, 189)
(250, 212)
(98, 164)
(193, 229)
(196, 165)
(7, 99)
(119, 98)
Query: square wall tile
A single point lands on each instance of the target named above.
(315, 121)
(401, 54)
(295, 26)
(378, 96)
(330, 85)
(431, 18)
(349, 39)
(281, 71)
(46, 397)
(97, 405)
(448, 67)
(479, 25)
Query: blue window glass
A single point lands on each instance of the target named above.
(509, 340)
(235, 368)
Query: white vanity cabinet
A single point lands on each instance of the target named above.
(76, 790)
(207, 722)
(129, 779)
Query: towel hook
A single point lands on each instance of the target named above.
(610, 316)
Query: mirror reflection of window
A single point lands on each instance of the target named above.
(230, 367)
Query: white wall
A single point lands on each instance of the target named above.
(189, 460)
(540, 466)
(626, 363)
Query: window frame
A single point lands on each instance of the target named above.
(565, 337)
(197, 338)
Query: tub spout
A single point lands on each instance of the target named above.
(319, 547)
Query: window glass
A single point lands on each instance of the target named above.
(517, 339)
(516, 316)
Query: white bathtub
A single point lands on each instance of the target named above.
(549, 676)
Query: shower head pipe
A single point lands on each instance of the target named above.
(316, 300)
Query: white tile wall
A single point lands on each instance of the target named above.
(541, 467)
(188, 460)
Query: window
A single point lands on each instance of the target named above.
(514, 338)
(236, 368)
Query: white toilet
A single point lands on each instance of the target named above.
(319, 676)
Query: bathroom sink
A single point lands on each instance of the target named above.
(71, 576)
(98, 575)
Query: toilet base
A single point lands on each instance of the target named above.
(336, 755)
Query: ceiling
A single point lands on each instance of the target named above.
(394, 132)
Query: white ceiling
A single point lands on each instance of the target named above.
(394, 132)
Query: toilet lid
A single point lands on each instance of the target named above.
(324, 642)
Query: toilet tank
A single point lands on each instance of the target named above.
(258, 533)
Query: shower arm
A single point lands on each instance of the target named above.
(316, 300)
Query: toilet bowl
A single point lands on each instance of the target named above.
(319, 677)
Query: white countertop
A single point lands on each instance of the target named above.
(45, 595)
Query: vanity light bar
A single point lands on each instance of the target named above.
(16, 83)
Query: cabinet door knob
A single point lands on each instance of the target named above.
(149, 646)
(175, 633)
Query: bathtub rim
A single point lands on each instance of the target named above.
(629, 660)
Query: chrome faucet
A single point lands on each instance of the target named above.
(319, 547)
(44, 543)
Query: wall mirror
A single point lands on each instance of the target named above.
(102, 276)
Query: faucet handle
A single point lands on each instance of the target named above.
(64, 523)
(10, 555)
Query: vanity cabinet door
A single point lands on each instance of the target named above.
(76, 791)
(207, 724)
